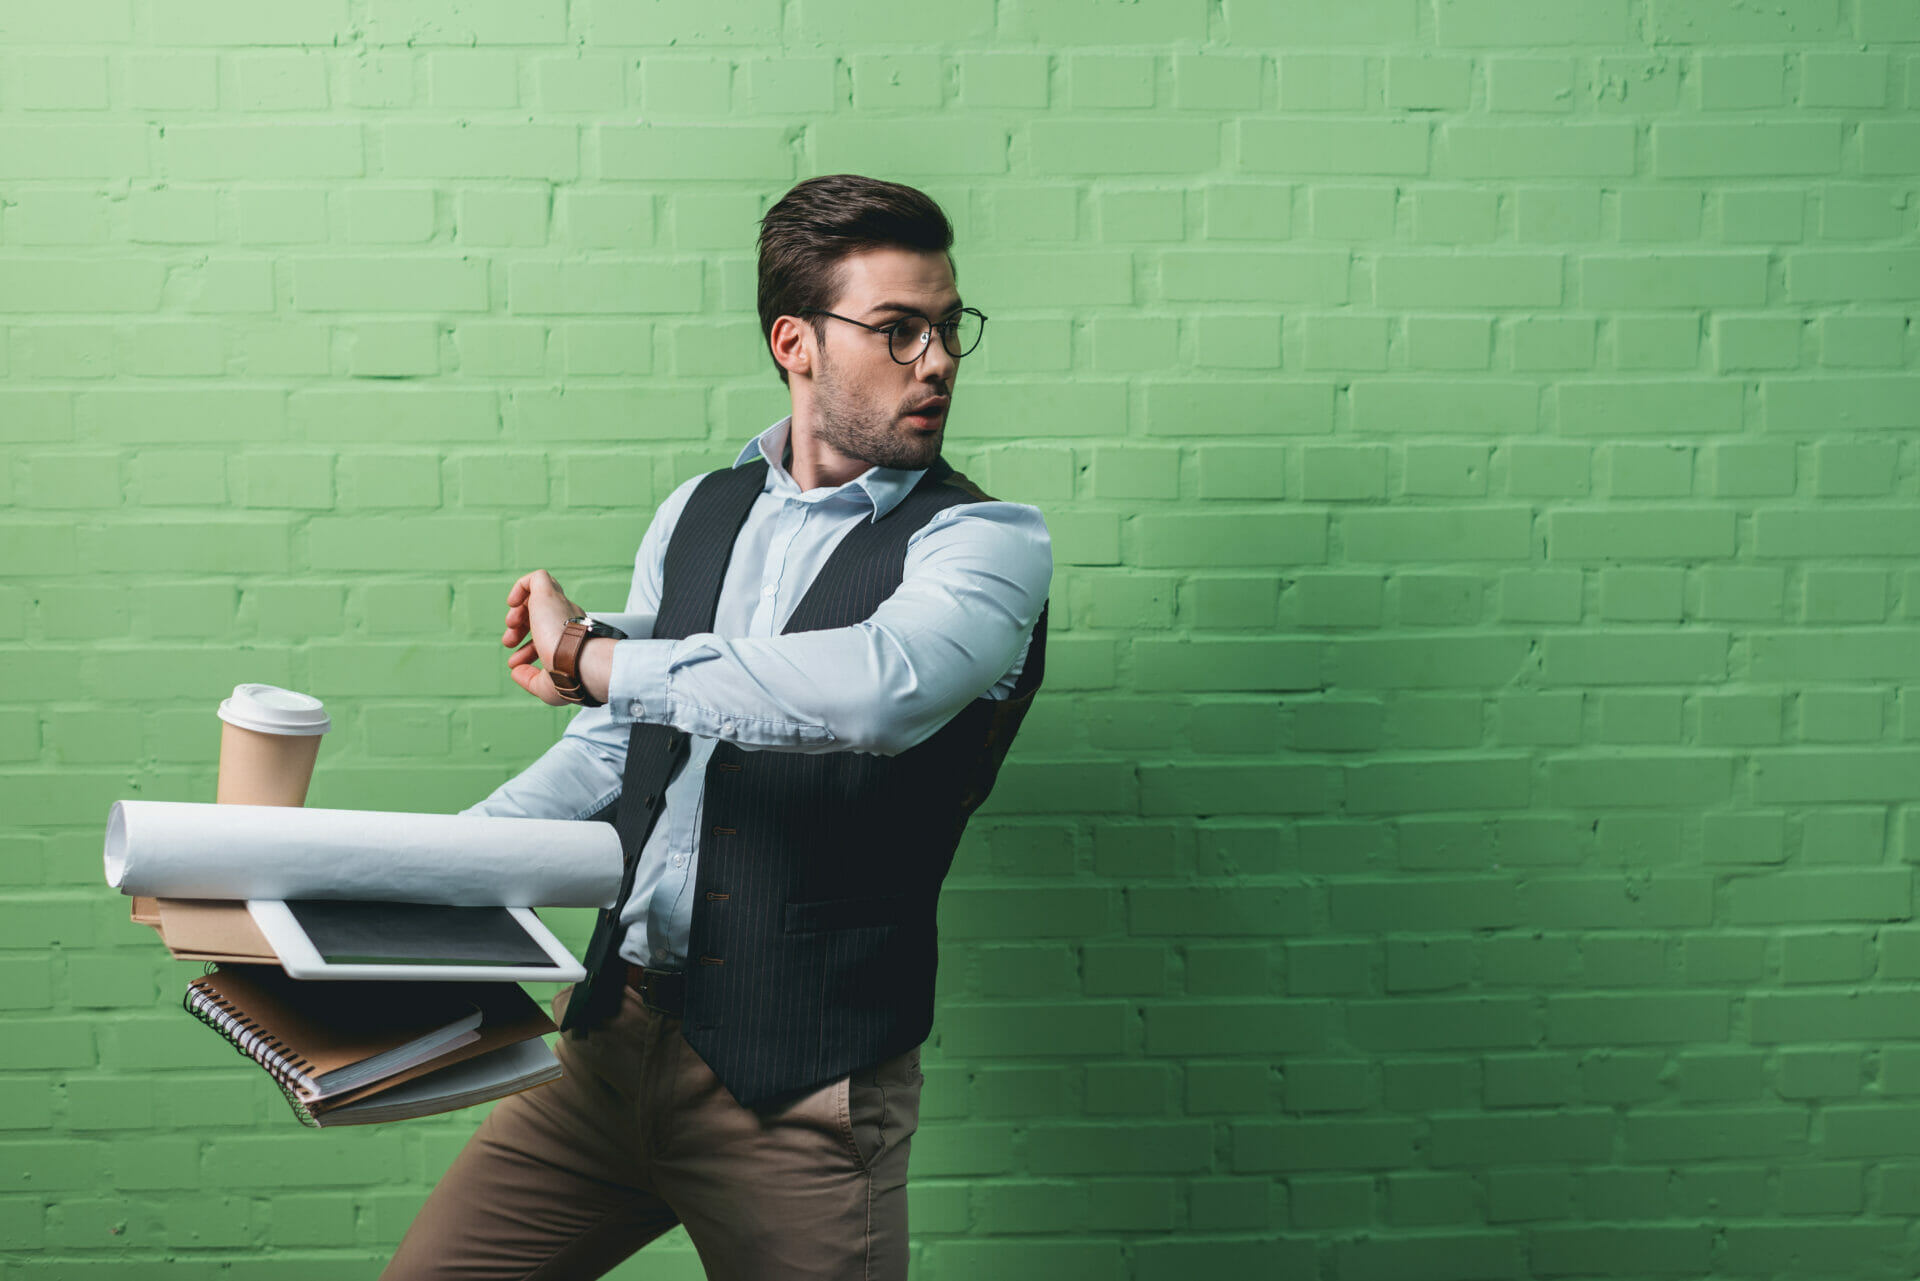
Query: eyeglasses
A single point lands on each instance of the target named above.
(909, 336)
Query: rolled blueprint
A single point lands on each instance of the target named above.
(176, 849)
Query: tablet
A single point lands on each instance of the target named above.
(355, 939)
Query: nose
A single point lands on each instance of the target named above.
(936, 363)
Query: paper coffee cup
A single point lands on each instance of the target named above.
(268, 745)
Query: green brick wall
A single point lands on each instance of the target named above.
(1470, 832)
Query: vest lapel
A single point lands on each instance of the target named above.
(696, 566)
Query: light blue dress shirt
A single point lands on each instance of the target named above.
(956, 629)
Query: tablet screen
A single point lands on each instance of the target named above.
(372, 933)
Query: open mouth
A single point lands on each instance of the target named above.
(928, 415)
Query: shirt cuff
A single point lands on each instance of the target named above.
(637, 685)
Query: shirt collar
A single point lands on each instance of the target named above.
(880, 487)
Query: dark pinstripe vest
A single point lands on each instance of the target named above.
(812, 950)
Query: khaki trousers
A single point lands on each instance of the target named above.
(567, 1179)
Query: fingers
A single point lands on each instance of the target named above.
(530, 678)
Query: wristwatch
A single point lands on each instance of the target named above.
(564, 669)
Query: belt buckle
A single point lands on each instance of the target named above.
(652, 990)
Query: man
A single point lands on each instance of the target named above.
(832, 643)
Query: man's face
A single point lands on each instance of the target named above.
(870, 407)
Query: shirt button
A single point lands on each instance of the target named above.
(679, 860)
(769, 590)
(726, 727)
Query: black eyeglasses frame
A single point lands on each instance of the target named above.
(947, 329)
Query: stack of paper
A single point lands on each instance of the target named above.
(353, 1053)
(436, 910)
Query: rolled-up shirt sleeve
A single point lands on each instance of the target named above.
(957, 628)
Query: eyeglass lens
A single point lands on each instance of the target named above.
(960, 335)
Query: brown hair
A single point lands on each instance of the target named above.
(812, 228)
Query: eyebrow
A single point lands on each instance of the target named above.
(909, 310)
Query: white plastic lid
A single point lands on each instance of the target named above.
(272, 710)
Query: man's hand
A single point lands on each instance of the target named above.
(537, 612)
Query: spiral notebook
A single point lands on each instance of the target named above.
(333, 1048)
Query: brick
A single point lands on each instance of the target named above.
(1322, 82)
(1418, 786)
(1172, 1260)
(1286, 276)
(1002, 1030)
(1831, 775)
(1750, 470)
(1223, 665)
(1888, 147)
(1645, 1250)
(1686, 22)
(1092, 81)
(1468, 280)
(1530, 84)
(1442, 534)
(1674, 280)
(1637, 1020)
(1647, 471)
(1742, 343)
(1744, 150)
(1445, 471)
(1860, 213)
(589, 83)
(1419, 405)
(675, 86)
(1025, 1260)
(1862, 341)
(1876, 895)
(1555, 215)
(364, 416)
(1618, 535)
(1351, 213)
(1401, 663)
(1855, 530)
(1656, 342)
(1869, 402)
(1546, 470)
(655, 152)
(1511, 22)
(603, 287)
(390, 284)
(1428, 83)
(1851, 275)
(1762, 217)
(1386, 147)
(1537, 151)
(1067, 21)
(1551, 343)
(1259, 1147)
(1215, 82)
(1845, 1246)
(1516, 1138)
(1222, 789)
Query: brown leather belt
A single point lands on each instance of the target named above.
(662, 991)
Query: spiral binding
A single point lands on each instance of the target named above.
(289, 1070)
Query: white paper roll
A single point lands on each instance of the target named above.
(175, 849)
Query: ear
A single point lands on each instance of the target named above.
(792, 344)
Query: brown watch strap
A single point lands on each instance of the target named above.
(564, 669)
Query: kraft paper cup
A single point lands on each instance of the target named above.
(268, 745)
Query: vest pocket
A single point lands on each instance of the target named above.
(841, 914)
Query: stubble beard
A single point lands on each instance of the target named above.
(869, 433)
